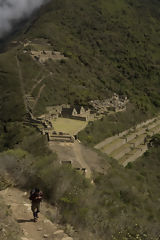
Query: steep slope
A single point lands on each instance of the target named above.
(110, 46)
(113, 46)
(129, 145)
(20, 207)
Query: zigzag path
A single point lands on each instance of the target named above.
(39, 95)
(129, 145)
(21, 210)
(21, 82)
(29, 101)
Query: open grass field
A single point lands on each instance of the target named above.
(67, 125)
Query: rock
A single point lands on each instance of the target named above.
(47, 221)
(39, 229)
(58, 232)
(46, 236)
(25, 234)
(67, 238)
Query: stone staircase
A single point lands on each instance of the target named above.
(129, 145)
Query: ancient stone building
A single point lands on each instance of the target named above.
(76, 112)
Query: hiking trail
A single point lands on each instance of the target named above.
(21, 82)
(21, 211)
(38, 96)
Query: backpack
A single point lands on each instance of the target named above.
(34, 195)
(32, 192)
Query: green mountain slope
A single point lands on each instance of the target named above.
(111, 46)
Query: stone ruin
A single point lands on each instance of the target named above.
(43, 56)
(97, 109)
(54, 136)
(115, 104)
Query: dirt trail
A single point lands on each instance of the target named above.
(21, 82)
(38, 97)
(43, 229)
(37, 83)
(78, 154)
(36, 80)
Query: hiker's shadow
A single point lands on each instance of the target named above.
(24, 220)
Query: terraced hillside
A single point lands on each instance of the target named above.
(129, 145)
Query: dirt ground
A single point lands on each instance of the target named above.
(21, 210)
(80, 156)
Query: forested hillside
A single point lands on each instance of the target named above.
(112, 46)
(121, 204)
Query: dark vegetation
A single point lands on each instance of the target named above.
(112, 46)
(125, 202)
(11, 102)
(122, 204)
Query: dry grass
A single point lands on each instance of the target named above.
(67, 125)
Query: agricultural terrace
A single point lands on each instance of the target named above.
(67, 125)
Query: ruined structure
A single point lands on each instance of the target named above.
(58, 136)
(55, 111)
(98, 108)
(77, 113)
(43, 56)
(115, 104)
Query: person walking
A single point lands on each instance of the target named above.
(36, 197)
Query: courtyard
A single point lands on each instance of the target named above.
(67, 125)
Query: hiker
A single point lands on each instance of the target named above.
(36, 197)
